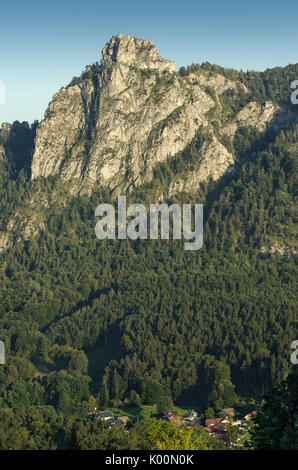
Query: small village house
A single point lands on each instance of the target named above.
(104, 415)
(229, 412)
(191, 416)
(249, 416)
(171, 417)
(122, 420)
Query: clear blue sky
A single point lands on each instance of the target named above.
(44, 44)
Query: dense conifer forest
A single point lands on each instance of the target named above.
(119, 323)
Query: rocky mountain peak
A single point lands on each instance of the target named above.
(131, 51)
(116, 122)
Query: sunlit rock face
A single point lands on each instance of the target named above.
(120, 118)
(112, 125)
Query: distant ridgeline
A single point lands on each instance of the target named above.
(98, 323)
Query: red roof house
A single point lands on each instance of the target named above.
(212, 422)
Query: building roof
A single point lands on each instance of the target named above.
(250, 415)
(111, 421)
(211, 422)
(123, 419)
(170, 415)
(104, 414)
(229, 411)
(190, 414)
(220, 426)
(208, 429)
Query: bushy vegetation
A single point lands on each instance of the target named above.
(272, 84)
(275, 427)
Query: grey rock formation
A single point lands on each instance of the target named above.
(123, 117)
(119, 119)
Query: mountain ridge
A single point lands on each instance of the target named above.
(129, 323)
(135, 111)
(133, 115)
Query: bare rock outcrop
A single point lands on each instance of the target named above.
(122, 118)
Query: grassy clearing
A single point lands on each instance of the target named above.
(133, 411)
(146, 410)
(183, 409)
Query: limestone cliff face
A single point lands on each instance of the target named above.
(216, 161)
(120, 119)
(58, 136)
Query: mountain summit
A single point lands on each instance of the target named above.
(131, 51)
(121, 118)
(126, 323)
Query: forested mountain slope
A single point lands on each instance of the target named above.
(146, 321)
